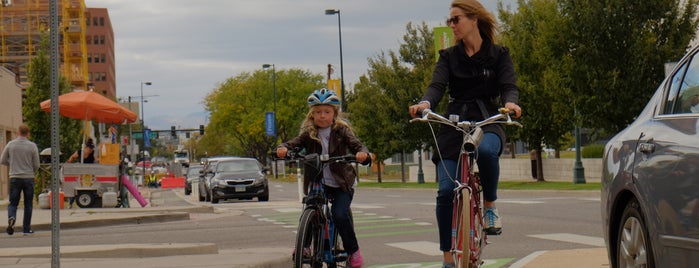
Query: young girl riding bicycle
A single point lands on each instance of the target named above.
(323, 132)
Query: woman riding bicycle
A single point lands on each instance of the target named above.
(478, 75)
(323, 132)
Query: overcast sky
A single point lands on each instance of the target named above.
(187, 48)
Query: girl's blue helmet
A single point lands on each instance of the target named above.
(323, 96)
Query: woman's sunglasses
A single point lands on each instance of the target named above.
(454, 20)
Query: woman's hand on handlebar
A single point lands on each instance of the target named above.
(361, 157)
(414, 109)
(515, 108)
(281, 151)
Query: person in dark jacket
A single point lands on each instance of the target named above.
(323, 132)
(479, 77)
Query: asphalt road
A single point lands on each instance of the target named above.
(395, 226)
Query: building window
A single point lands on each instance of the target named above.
(103, 58)
(89, 76)
(89, 58)
(104, 77)
(88, 39)
(94, 21)
(101, 39)
(87, 22)
(95, 40)
(101, 21)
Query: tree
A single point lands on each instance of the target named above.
(238, 107)
(39, 90)
(380, 100)
(617, 52)
(535, 36)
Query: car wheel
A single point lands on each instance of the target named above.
(208, 196)
(214, 200)
(201, 197)
(633, 247)
(85, 200)
(264, 197)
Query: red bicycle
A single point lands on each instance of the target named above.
(468, 233)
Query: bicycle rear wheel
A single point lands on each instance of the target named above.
(309, 241)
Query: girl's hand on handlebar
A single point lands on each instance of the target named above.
(514, 107)
(281, 151)
(418, 107)
(361, 157)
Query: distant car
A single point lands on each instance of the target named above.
(208, 171)
(650, 178)
(140, 164)
(191, 176)
(243, 178)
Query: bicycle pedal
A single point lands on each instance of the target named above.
(493, 231)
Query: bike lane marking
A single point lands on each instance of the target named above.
(572, 238)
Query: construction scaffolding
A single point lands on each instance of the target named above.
(22, 22)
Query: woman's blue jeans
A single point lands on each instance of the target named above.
(488, 160)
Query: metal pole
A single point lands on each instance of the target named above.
(55, 142)
(143, 133)
(342, 73)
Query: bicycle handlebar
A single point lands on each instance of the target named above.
(471, 129)
(299, 154)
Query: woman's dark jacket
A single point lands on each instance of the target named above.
(477, 87)
(341, 142)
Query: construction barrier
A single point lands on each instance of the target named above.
(172, 182)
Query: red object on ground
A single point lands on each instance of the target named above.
(61, 200)
(172, 182)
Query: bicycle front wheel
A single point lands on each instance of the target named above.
(463, 260)
(309, 241)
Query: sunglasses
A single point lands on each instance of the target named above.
(454, 20)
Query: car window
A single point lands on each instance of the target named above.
(675, 84)
(193, 170)
(234, 166)
(685, 86)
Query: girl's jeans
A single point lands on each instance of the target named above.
(341, 202)
(488, 156)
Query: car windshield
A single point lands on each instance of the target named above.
(193, 170)
(237, 166)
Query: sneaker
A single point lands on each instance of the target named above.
(355, 260)
(10, 224)
(493, 224)
(30, 232)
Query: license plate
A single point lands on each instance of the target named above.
(240, 188)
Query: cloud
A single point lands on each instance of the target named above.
(186, 48)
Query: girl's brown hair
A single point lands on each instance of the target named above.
(486, 20)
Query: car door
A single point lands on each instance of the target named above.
(666, 168)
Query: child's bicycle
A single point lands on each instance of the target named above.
(317, 239)
(468, 232)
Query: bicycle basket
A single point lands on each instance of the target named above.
(312, 167)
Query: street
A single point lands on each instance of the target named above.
(395, 227)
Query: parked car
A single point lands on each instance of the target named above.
(242, 178)
(208, 171)
(191, 176)
(650, 178)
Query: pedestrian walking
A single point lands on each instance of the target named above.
(22, 156)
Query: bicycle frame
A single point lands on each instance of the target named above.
(467, 212)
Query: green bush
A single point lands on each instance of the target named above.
(592, 151)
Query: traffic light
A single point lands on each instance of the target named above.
(173, 132)
(201, 130)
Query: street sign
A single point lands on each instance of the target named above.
(269, 124)
(138, 135)
(146, 142)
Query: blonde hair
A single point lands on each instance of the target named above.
(486, 20)
(312, 130)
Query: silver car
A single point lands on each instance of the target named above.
(650, 180)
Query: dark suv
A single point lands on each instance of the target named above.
(241, 178)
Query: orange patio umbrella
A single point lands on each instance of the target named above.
(88, 105)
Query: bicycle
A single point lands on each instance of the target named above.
(469, 236)
(317, 239)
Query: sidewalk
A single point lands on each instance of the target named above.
(168, 205)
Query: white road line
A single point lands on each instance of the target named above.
(423, 247)
(573, 238)
(524, 261)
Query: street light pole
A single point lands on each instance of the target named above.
(143, 133)
(342, 76)
(274, 89)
